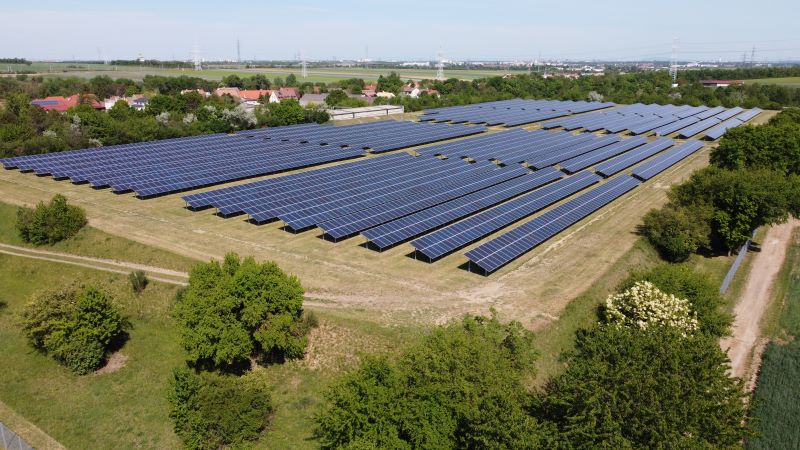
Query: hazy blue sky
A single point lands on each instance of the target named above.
(516, 29)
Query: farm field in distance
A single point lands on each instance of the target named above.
(784, 81)
(315, 74)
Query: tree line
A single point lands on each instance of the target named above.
(753, 180)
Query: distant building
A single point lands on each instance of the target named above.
(61, 104)
(366, 111)
(370, 90)
(252, 96)
(316, 99)
(137, 102)
(232, 91)
(411, 91)
(720, 83)
(289, 93)
(199, 91)
(385, 94)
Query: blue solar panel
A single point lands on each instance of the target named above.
(459, 234)
(510, 112)
(663, 162)
(589, 159)
(158, 167)
(622, 162)
(509, 246)
(350, 224)
(407, 227)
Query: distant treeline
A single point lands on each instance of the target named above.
(14, 61)
(152, 63)
(744, 73)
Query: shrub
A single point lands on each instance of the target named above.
(211, 411)
(138, 281)
(50, 223)
(676, 233)
(78, 328)
(699, 289)
(643, 306)
(240, 309)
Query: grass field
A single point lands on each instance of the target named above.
(127, 408)
(785, 81)
(92, 242)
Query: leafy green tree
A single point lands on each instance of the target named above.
(335, 97)
(390, 83)
(701, 291)
(77, 327)
(50, 223)
(461, 387)
(741, 200)
(676, 232)
(240, 309)
(212, 411)
(291, 80)
(630, 388)
(775, 147)
(286, 112)
(138, 281)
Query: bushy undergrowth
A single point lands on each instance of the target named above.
(50, 223)
(77, 327)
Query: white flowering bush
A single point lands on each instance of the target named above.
(163, 118)
(644, 305)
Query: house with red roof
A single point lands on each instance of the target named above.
(252, 96)
(289, 93)
(61, 104)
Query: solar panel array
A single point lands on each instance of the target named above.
(663, 162)
(537, 149)
(160, 167)
(503, 249)
(640, 118)
(453, 237)
(510, 112)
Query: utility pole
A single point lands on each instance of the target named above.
(238, 52)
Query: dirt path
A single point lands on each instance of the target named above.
(107, 265)
(743, 345)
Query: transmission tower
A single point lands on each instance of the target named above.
(238, 52)
(439, 67)
(753, 56)
(304, 66)
(198, 62)
(673, 64)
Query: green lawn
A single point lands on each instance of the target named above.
(93, 242)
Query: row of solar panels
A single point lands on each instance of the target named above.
(439, 200)
(159, 167)
(510, 112)
(662, 120)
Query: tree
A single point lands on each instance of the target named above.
(629, 388)
(285, 112)
(461, 387)
(698, 288)
(291, 80)
(238, 310)
(676, 233)
(775, 147)
(390, 83)
(213, 411)
(77, 327)
(50, 223)
(741, 200)
(335, 97)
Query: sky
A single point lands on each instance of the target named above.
(638, 30)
